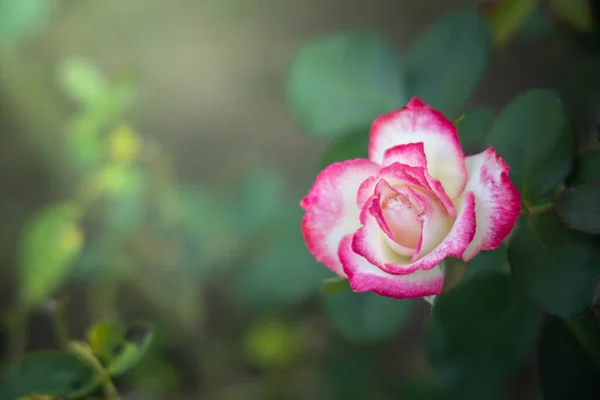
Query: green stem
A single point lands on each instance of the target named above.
(86, 355)
(57, 313)
(536, 209)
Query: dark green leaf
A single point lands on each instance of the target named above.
(579, 208)
(507, 16)
(334, 285)
(565, 370)
(576, 12)
(50, 244)
(534, 136)
(366, 317)
(136, 341)
(559, 278)
(437, 71)
(343, 82)
(347, 147)
(493, 260)
(473, 128)
(480, 332)
(586, 168)
(47, 372)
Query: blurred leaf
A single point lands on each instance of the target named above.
(83, 139)
(270, 343)
(534, 136)
(104, 339)
(539, 23)
(334, 285)
(353, 373)
(347, 147)
(480, 332)
(559, 278)
(100, 256)
(486, 261)
(83, 81)
(436, 68)
(135, 343)
(123, 144)
(155, 376)
(507, 16)
(565, 370)
(343, 82)
(21, 18)
(577, 13)
(579, 208)
(50, 244)
(473, 128)
(47, 372)
(256, 202)
(365, 317)
(286, 273)
(586, 168)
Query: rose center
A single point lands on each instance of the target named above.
(403, 219)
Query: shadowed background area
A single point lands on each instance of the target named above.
(164, 130)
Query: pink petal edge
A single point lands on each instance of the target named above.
(331, 211)
(498, 203)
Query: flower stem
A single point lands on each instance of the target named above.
(536, 209)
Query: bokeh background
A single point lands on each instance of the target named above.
(169, 121)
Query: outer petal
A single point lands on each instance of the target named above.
(331, 211)
(367, 243)
(498, 202)
(416, 123)
(364, 276)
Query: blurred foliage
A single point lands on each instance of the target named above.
(222, 270)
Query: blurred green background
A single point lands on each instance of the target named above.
(151, 170)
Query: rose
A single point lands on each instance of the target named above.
(387, 223)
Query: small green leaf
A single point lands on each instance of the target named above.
(50, 244)
(586, 168)
(560, 278)
(50, 373)
(83, 81)
(105, 338)
(334, 285)
(366, 317)
(579, 208)
(576, 12)
(343, 82)
(347, 147)
(473, 128)
(480, 332)
(565, 370)
(535, 138)
(436, 68)
(507, 16)
(135, 343)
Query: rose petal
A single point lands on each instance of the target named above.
(364, 276)
(415, 123)
(413, 154)
(369, 244)
(331, 211)
(497, 201)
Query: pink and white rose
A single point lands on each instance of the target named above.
(387, 223)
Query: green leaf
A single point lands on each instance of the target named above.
(22, 18)
(47, 372)
(534, 136)
(83, 81)
(576, 12)
(50, 244)
(365, 317)
(473, 128)
(285, 273)
(578, 207)
(565, 370)
(343, 82)
(83, 139)
(347, 147)
(480, 332)
(586, 168)
(135, 343)
(507, 16)
(486, 261)
(560, 278)
(437, 70)
(334, 285)
(104, 339)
